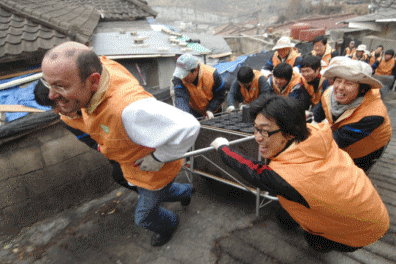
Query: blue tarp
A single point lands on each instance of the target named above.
(19, 96)
(230, 66)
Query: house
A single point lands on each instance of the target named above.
(380, 25)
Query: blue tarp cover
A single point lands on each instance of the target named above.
(19, 96)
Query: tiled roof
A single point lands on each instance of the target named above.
(31, 26)
(113, 10)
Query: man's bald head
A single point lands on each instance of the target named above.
(85, 58)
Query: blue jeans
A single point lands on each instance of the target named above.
(151, 215)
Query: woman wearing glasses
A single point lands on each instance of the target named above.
(317, 184)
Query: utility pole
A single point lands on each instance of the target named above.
(260, 23)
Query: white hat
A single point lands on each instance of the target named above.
(361, 47)
(283, 42)
(184, 64)
(351, 70)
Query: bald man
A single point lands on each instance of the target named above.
(145, 136)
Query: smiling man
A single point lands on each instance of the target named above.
(318, 186)
(323, 50)
(103, 99)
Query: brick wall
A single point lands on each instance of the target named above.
(45, 172)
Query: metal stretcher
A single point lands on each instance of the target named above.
(207, 163)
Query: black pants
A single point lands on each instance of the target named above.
(321, 244)
(318, 243)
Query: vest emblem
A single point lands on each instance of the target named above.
(106, 129)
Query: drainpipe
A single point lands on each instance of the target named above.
(30, 78)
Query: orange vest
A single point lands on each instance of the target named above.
(385, 67)
(363, 58)
(104, 124)
(296, 79)
(315, 96)
(373, 59)
(291, 57)
(344, 205)
(254, 91)
(372, 105)
(326, 57)
(349, 51)
(201, 94)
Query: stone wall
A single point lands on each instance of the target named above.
(45, 172)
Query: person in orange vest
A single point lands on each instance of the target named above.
(41, 93)
(355, 111)
(360, 54)
(323, 50)
(351, 49)
(376, 54)
(199, 88)
(289, 83)
(104, 100)
(284, 52)
(318, 186)
(386, 65)
(246, 88)
(312, 79)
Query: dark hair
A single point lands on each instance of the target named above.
(41, 95)
(380, 46)
(311, 61)
(245, 74)
(283, 70)
(287, 113)
(363, 89)
(87, 63)
(390, 51)
(321, 38)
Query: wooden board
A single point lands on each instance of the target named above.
(19, 108)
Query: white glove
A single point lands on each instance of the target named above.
(209, 115)
(220, 141)
(266, 73)
(230, 109)
(148, 163)
(296, 69)
(241, 106)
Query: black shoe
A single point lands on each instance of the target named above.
(161, 239)
(187, 201)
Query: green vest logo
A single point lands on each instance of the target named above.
(106, 129)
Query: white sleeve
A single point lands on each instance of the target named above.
(154, 124)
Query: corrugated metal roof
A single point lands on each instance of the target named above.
(120, 44)
(373, 17)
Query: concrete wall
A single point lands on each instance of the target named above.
(242, 45)
(372, 43)
(45, 172)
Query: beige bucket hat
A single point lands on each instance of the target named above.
(283, 42)
(361, 47)
(351, 70)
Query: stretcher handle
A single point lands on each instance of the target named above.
(201, 151)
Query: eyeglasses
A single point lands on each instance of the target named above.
(57, 88)
(264, 133)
